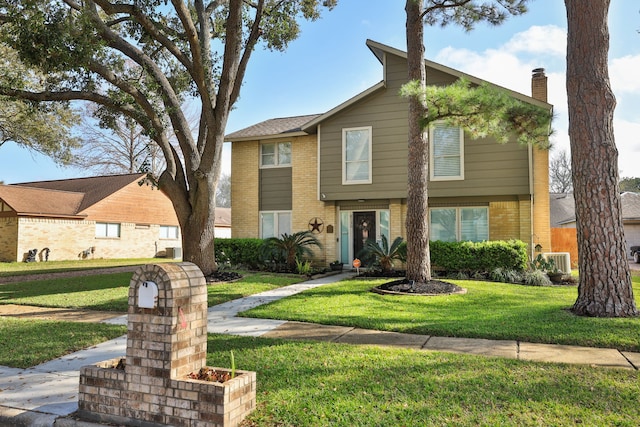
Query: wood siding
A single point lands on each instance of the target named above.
(275, 189)
(491, 169)
(134, 204)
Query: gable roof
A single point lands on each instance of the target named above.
(63, 198)
(630, 205)
(41, 202)
(305, 125)
(273, 128)
(94, 188)
(562, 207)
(381, 50)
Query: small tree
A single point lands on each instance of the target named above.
(124, 148)
(560, 179)
(630, 184)
(384, 254)
(291, 247)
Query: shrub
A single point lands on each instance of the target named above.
(289, 247)
(536, 278)
(384, 254)
(473, 257)
(234, 252)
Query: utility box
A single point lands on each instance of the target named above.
(173, 253)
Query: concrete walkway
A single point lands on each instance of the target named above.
(40, 395)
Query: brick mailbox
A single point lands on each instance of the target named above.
(166, 341)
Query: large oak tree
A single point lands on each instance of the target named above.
(46, 129)
(605, 281)
(144, 59)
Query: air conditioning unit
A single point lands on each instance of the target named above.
(174, 253)
(562, 260)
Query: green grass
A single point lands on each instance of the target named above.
(325, 384)
(109, 292)
(488, 310)
(28, 343)
(23, 268)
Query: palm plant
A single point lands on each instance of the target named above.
(292, 246)
(384, 254)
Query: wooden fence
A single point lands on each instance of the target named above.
(565, 240)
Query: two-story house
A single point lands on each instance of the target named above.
(343, 174)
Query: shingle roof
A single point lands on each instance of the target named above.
(630, 205)
(562, 207)
(94, 188)
(272, 127)
(41, 202)
(67, 197)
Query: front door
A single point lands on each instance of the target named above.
(364, 228)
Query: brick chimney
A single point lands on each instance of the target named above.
(540, 174)
(539, 84)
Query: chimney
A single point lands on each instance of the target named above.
(539, 84)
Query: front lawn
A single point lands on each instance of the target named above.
(109, 292)
(488, 310)
(27, 343)
(325, 384)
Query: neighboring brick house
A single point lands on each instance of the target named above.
(98, 217)
(343, 174)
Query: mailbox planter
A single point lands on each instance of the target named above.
(166, 341)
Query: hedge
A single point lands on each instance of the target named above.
(478, 256)
(244, 252)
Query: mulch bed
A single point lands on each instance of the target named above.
(409, 287)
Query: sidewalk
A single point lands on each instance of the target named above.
(38, 396)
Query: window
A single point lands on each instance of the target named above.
(356, 155)
(275, 224)
(107, 230)
(168, 232)
(447, 152)
(459, 224)
(275, 154)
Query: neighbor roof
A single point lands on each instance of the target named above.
(63, 198)
(94, 188)
(562, 207)
(41, 202)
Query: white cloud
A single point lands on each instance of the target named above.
(623, 73)
(546, 40)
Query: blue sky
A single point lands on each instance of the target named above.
(329, 63)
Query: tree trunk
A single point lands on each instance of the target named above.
(418, 261)
(195, 210)
(605, 281)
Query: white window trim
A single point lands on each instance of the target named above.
(174, 227)
(344, 156)
(459, 218)
(275, 221)
(277, 165)
(107, 224)
(432, 177)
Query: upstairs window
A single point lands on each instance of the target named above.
(356, 155)
(447, 152)
(275, 154)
